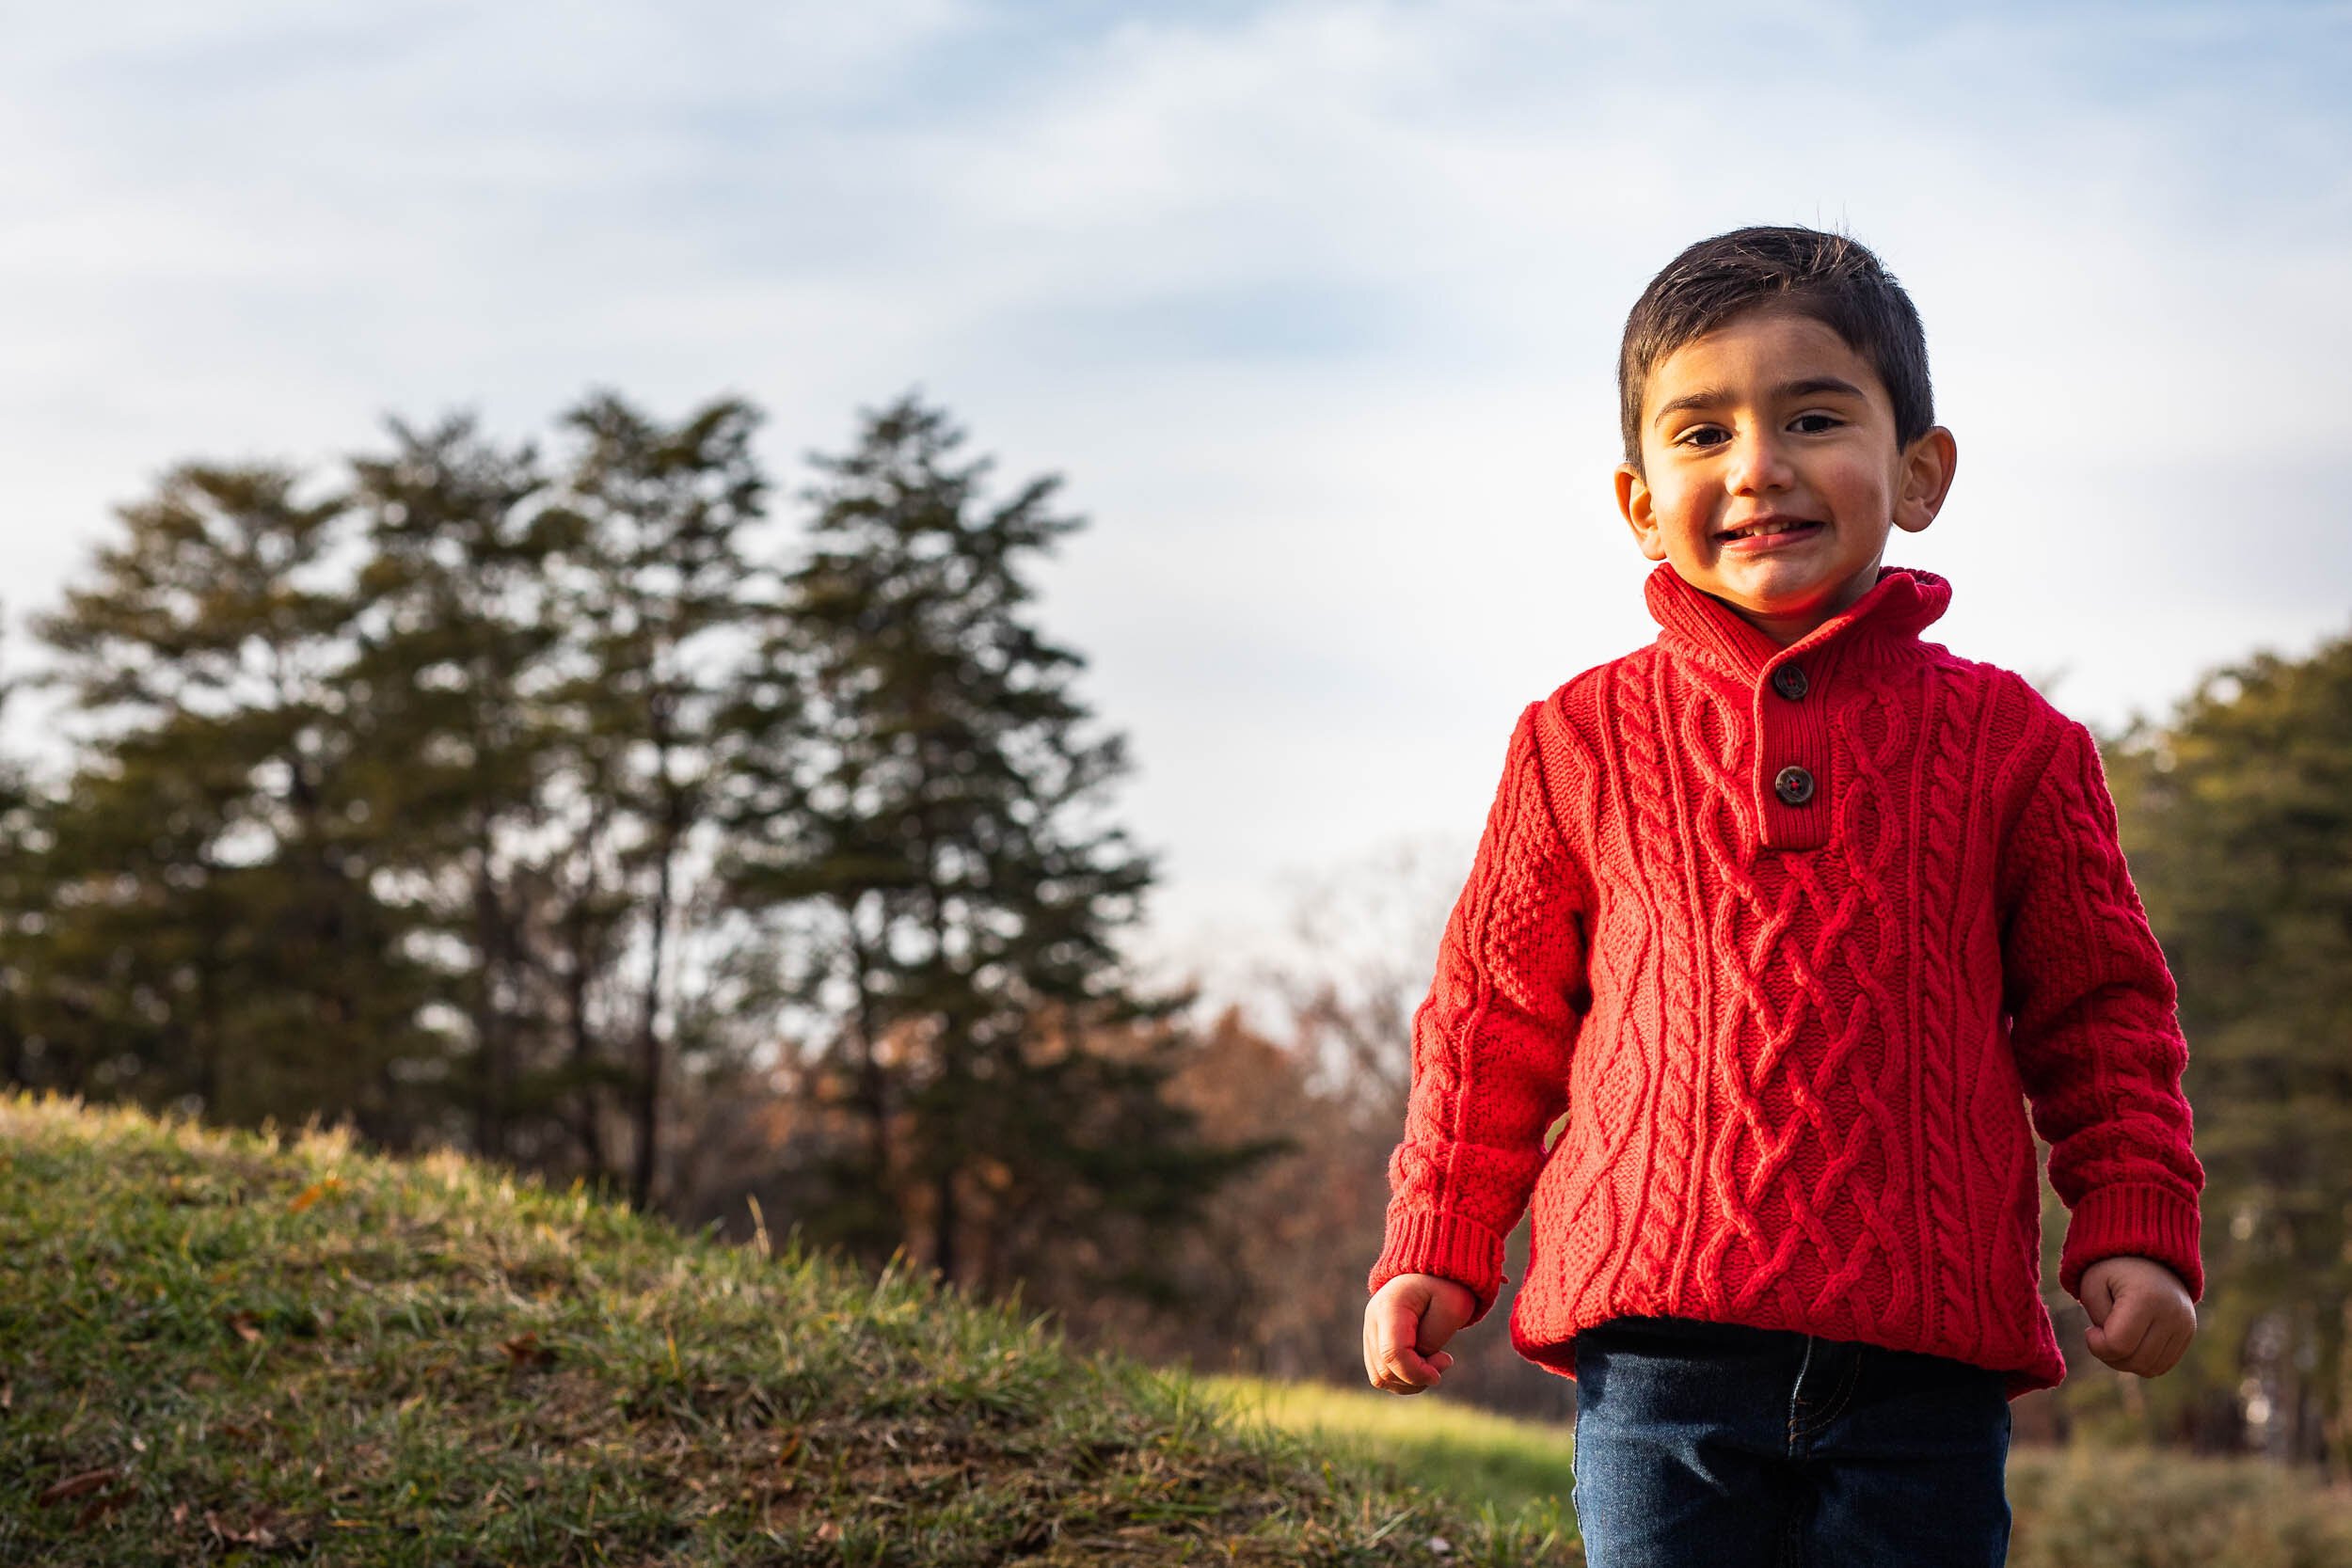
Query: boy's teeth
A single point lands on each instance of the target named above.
(1774, 527)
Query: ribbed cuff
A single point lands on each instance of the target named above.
(2141, 1221)
(1447, 1245)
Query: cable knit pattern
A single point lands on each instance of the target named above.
(1808, 942)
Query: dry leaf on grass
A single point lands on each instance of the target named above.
(316, 1190)
(100, 1505)
(258, 1534)
(74, 1486)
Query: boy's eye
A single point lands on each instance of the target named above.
(1703, 436)
(1814, 424)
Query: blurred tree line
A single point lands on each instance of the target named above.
(511, 800)
(2236, 818)
(484, 799)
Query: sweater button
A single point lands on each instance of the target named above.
(1793, 784)
(1788, 680)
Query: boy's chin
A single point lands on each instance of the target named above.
(1792, 580)
(1775, 591)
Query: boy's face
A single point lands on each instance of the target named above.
(1772, 418)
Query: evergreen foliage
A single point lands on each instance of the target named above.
(456, 644)
(656, 596)
(204, 919)
(2237, 818)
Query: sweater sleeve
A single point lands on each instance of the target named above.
(2094, 1027)
(1490, 1042)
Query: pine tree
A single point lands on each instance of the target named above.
(654, 593)
(943, 820)
(209, 928)
(458, 753)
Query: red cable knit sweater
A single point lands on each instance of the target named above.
(1794, 935)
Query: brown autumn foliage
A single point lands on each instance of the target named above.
(1271, 1281)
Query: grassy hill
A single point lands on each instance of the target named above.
(223, 1348)
(219, 1347)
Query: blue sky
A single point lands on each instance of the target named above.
(1314, 304)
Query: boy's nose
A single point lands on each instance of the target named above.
(1758, 464)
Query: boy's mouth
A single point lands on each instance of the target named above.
(1770, 528)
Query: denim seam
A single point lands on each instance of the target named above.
(1845, 1392)
(1792, 1538)
(1576, 1456)
(1796, 1397)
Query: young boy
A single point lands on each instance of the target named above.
(1793, 913)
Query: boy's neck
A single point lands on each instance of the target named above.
(1785, 630)
(1788, 630)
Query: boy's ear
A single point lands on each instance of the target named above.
(1633, 502)
(1926, 479)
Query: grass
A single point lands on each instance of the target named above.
(232, 1348)
(238, 1349)
(2089, 1508)
(1512, 1467)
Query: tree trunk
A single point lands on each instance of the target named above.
(944, 1253)
(207, 1034)
(11, 1041)
(588, 1112)
(873, 1088)
(649, 1040)
(2338, 1431)
(489, 1042)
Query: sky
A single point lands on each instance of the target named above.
(1314, 306)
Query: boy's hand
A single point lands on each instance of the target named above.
(2142, 1317)
(1404, 1324)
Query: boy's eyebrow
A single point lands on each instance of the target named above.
(1814, 386)
(1709, 397)
(1706, 396)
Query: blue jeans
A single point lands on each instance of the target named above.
(1721, 1445)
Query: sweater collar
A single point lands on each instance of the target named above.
(1880, 627)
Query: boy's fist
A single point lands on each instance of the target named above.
(2142, 1317)
(1405, 1322)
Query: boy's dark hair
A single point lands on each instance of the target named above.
(1833, 279)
